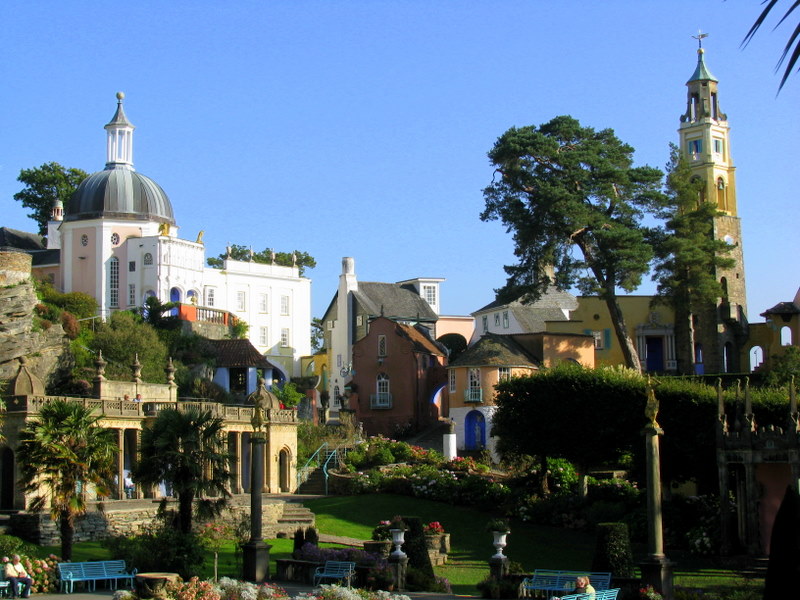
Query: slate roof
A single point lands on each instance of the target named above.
(496, 351)
(782, 308)
(20, 240)
(419, 339)
(554, 305)
(239, 354)
(41, 258)
(393, 301)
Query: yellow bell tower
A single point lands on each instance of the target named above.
(720, 330)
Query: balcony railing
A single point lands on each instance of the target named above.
(473, 395)
(382, 400)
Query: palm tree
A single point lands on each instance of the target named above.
(186, 451)
(793, 45)
(61, 453)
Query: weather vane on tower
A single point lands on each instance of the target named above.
(699, 37)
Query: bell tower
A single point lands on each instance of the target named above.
(720, 330)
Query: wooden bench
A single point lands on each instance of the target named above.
(554, 583)
(93, 571)
(336, 570)
(598, 595)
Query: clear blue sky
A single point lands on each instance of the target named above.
(361, 128)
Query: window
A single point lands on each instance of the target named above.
(263, 336)
(115, 239)
(718, 146)
(263, 303)
(497, 319)
(148, 259)
(132, 266)
(429, 294)
(381, 345)
(131, 294)
(210, 297)
(485, 323)
(695, 148)
(241, 300)
(505, 319)
(504, 373)
(359, 320)
(473, 391)
(382, 398)
(598, 340)
(722, 200)
(452, 387)
(330, 324)
(337, 397)
(285, 338)
(284, 305)
(113, 282)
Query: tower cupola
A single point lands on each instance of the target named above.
(119, 143)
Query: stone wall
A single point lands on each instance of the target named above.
(39, 528)
(15, 267)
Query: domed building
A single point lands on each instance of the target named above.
(118, 241)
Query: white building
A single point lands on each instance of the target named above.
(119, 243)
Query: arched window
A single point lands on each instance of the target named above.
(786, 336)
(148, 259)
(756, 357)
(724, 285)
(722, 195)
(337, 397)
(473, 392)
(382, 399)
(113, 282)
(727, 357)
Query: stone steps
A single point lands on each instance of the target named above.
(294, 515)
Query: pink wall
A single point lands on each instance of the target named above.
(774, 478)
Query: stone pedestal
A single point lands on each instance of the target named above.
(449, 446)
(498, 567)
(399, 567)
(658, 572)
(255, 561)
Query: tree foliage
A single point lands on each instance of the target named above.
(186, 450)
(792, 48)
(267, 256)
(573, 201)
(785, 366)
(61, 453)
(687, 253)
(288, 394)
(43, 186)
(121, 338)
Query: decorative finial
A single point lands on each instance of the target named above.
(699, 37)
(120, 96)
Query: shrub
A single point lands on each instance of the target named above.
(498, 588)
(160, 548)
(312, 537)
(613, 550)
(70, 324)
(10, 544)
(299, 540)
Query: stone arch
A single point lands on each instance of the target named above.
(756, 354)
(722, 194)
(786, 336)
(285, 470)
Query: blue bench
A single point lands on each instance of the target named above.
(555, 583)
(598, 595)
(337, 570)
(93, 571)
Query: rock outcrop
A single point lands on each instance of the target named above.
(46, 350)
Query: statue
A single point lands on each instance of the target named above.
(651, 408)
(199, 239)
(262, 400)
(163, 229)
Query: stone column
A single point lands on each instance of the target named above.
(119, 493)
(449, 441)
(656, 569)
(399, 566)
(234, 448)
(255, 551)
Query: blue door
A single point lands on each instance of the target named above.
(475, 431)
(655, 354)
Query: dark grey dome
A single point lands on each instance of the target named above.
(119, 193)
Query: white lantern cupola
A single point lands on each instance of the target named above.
(119, 142)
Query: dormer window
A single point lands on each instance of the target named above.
(429, 294)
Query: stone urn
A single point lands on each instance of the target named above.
(149, 585)
(499, 543)
(398, 539)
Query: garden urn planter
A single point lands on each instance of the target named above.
(398, 538)
(499, 543)
(149, 585)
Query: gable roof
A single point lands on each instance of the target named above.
(393, 301)
(20, 240)
(419, 339)
(554, 305)
(496, 351)
(239, 354)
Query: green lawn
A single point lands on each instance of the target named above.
(532, 546)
